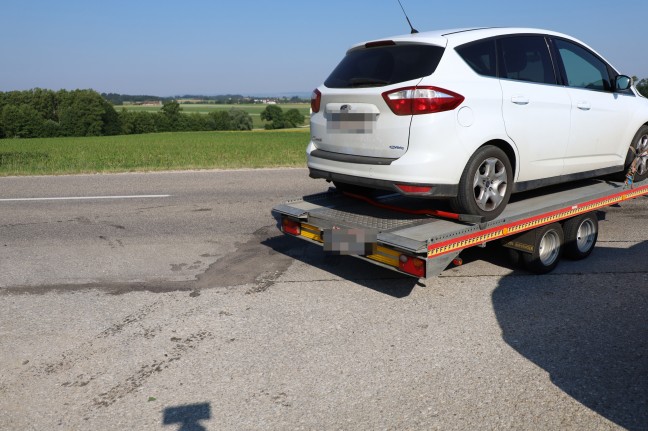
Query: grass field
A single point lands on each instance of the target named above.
(153, 152)
(253, 109)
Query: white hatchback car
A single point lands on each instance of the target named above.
(473, 115)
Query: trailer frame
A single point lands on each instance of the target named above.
(422, 246)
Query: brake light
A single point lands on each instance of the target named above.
(379, 43)
(412, 265)
(421, 100)
(316, 100)
(290, 226)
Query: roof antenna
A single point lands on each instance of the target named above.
(414, 31)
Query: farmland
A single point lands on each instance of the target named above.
(203, 108)
(154, 152)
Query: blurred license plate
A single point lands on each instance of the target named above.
(350, 241)
(351, 123)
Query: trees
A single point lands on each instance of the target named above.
(82, 113)
(22, 121)
(293, 118)
(279, 120)
(220, 120)
(47, 113)
(171, 110)
(239, 120)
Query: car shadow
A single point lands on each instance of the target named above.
(591, 337)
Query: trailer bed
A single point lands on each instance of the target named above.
(437, 240)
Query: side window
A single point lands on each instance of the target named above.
(526, 58)
(582, 68)
(480, 56)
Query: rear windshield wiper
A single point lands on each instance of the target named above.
(367, 82)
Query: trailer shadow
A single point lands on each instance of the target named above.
(345, 267)
(589, 331)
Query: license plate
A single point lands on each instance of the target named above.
(350, 241)
(351, 122)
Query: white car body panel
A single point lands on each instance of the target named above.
(544, 128)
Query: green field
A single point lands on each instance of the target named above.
(153, 152)
(253, 109)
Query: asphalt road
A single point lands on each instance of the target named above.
(174, 302)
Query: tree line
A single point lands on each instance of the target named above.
(40, 113)
(224, 99)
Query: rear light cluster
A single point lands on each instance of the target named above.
(290, 226)
(412, 265)
(421, 100)
(316, 100)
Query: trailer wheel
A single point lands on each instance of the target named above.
(546, 250)
(514, 257)
(581, 234)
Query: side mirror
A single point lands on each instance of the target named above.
(622, 82)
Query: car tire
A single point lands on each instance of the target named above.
(639, 144)
(485, 184)
(581, 233)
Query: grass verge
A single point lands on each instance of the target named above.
(154, 152)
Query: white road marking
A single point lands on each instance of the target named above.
(79, 198)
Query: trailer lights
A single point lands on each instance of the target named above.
(290, 226)
(412, 265)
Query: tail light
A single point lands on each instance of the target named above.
(290, 226)
(421, 100)
(316, 100)
(412, 265)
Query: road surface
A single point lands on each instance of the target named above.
(169, 300)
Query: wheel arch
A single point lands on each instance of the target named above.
(510, 152)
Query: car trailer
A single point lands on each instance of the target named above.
(399, 233)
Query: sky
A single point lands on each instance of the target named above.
(262, 47)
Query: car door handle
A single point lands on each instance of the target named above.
(520, 100)
(584, 106)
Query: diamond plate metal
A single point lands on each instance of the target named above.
(378, 219)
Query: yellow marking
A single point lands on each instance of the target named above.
(311, 232)
(573, 211)
(386, 256)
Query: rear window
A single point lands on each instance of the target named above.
(384, 65)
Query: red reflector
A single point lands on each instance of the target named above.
(316, 100)
(414, 189)
(421, 100)
(412, 265)
(290, 226)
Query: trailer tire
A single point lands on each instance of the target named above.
(546, 250)
(515, 258)
(581, 233)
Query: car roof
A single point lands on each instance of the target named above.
(459, 36)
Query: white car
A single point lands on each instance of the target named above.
(473, 115)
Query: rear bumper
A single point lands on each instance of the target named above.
(436, 191)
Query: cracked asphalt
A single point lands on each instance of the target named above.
(191, 310)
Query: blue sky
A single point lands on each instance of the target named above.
(259, 47)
